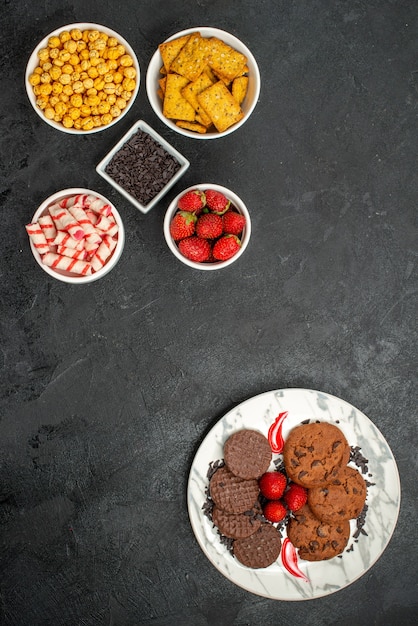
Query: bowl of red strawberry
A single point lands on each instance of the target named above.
(207, 227)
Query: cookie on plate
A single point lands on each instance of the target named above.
(231, 493)
(316, 540)
(314, 453)
(343, 498)
(247, 454)
(260, 549)
(236, 526)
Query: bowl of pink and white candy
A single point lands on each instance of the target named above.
(76, 235)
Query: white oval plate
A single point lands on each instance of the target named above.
(383, 498)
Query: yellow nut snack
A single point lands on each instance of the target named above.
(76, 100)
(126, 60)
(65, 79)
(65, 36)
(54, 42)
(49, 113)
(57, 88)
(128, 84)
(64, 55)
(34, 79)
(55, 72)
(45, 89)
(71, 46)
(84, 79)
(67, 121)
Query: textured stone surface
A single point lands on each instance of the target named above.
(108, 389)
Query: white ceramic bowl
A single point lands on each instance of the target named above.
(141, 125)
(153, 74)
(68, 277)
(34, 62)
(237, 203)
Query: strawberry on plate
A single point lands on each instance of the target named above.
(272, 485)
(274, 511)
(295, 497)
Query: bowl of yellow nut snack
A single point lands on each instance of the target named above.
(82, 78)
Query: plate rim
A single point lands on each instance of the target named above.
(229, 413)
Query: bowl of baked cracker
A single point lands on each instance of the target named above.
(203, 82)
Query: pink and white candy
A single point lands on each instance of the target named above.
(103, 253)
(37, 237)
(48, 228)
(56, 261)
(87, 201)
(63, 220)
(78, 234)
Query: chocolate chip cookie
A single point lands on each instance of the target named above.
(313, 453)
(343, 498)
(316, 540)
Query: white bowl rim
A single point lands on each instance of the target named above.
(239, 205)
(32, 64)
(66, 277)
(210, 32)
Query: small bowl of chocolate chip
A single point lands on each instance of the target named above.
(142, 166)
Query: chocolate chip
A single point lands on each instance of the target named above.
(321, 532)
(142, 167)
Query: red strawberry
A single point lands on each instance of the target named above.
(226, 247)
(216, 201)
(195, 249)
(182, 225)
(192, 201)
(274, 511)
(209, 226)
(295, 497)
(272, 485)
(233, 222)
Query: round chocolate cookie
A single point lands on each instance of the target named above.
(231, 493)
(261, 549)
(316, 540)
(343, 498)
(346, 455)
(247, 454)
(236, 526)
(313, 453)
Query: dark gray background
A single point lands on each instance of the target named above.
(107, 390)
